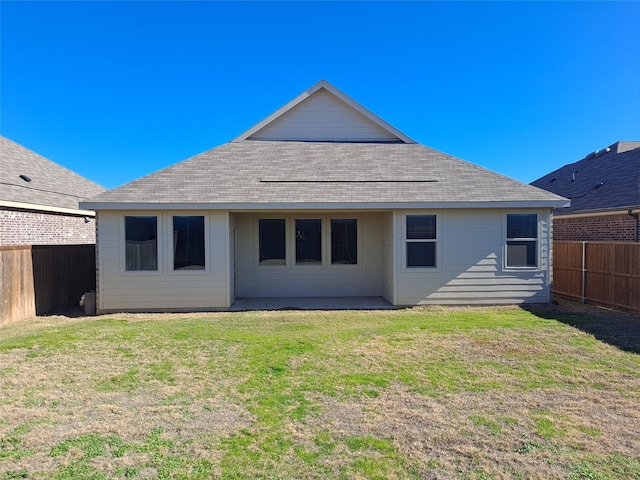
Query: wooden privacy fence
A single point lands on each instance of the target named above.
(604, 273)
(39, 279)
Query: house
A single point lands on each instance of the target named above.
(39, 200)
(604, 188)
(322, 199)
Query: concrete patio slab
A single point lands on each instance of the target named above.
(311, 303)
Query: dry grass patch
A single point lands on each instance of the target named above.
(419, 393)
(526, 435)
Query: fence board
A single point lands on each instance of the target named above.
(609, 276)
(16, 292)
(567, 269)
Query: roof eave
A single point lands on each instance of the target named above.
(241, 206)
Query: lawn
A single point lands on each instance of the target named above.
(470, 393)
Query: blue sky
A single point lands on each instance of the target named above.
(117, 90)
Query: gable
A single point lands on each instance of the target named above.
(322, 117)
(324, 114)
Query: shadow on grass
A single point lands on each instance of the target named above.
(69, 312)
(620, 329)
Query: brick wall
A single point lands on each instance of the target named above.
(25, 227)
(607, 228)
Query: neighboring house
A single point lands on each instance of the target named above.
(39, 200)
(322, 199)
(604, 189)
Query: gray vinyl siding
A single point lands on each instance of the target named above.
(323, 117)
(471, 268)
(325, 280)
(164, 289)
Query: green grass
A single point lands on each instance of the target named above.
(458, 393)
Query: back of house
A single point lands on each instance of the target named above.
(322, 199)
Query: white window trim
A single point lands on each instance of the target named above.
(404, 242)
(123, 244)
(169, 234)
(290, 241)
(505, 239)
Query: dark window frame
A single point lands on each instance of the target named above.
(344, 251)
(273, 256)
(521, 247)
(421, 240)
(189, 247)
(308, 241)
(141, 252)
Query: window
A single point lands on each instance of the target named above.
(272, 241)
(522, 240)
(421, 240)
(141, 239)
(344, 241)
(188, 243)
(308, 241)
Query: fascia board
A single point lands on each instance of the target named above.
(337, 93)
(47, 208)
(320, 205)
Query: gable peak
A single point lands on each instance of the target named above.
(324, 113)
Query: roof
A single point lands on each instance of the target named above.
(608, 179)
(46, 185)
(270, 167)
(261, 173)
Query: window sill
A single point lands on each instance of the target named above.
(522, 269)
(141, 273)
(188, 272)
(421, 269)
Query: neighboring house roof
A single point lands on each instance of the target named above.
(606, 180)
(45, 186)
(323, 150)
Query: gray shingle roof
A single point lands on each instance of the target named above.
(288, 172)
(608, 179)
(51, 184)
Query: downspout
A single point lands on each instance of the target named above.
(637, 217)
